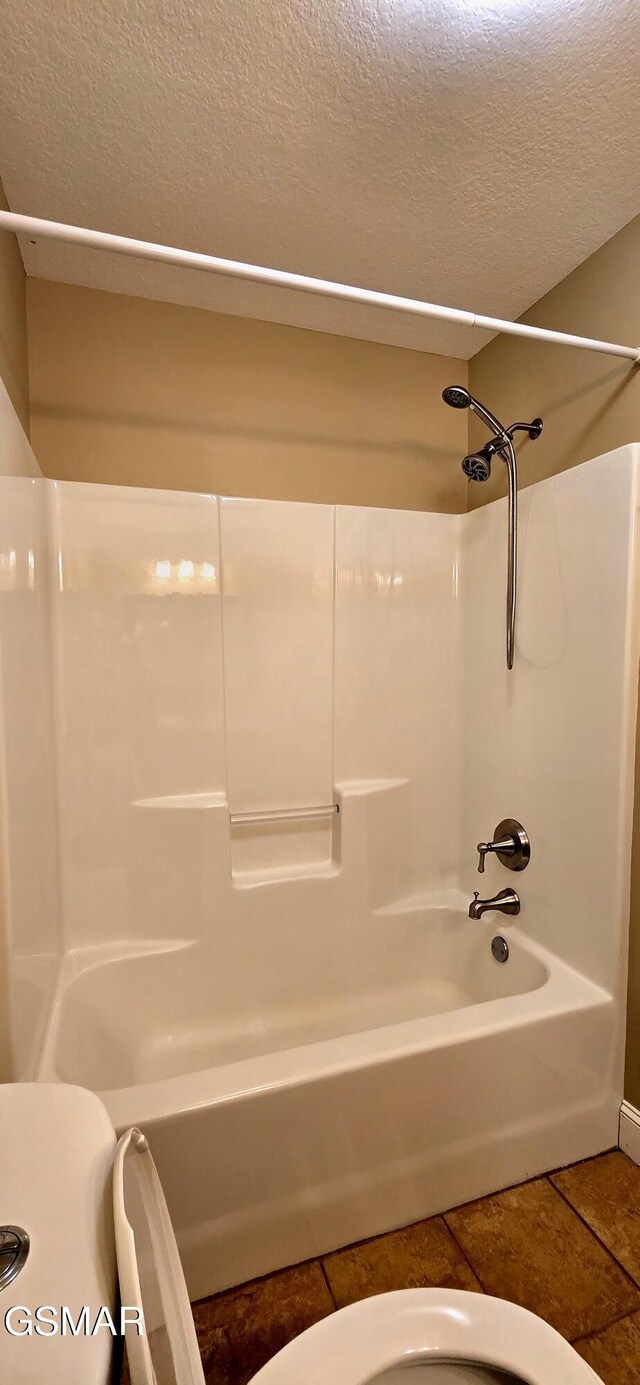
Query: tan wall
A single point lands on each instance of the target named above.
(134, 392)
(590, 404)
(13, 323)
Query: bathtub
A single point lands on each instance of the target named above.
(386, 1088)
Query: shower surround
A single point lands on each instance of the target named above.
(249, 748)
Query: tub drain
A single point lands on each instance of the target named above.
(500, 948)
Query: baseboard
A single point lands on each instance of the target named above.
(630, 1131)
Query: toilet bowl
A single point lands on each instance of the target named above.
(70, 1205)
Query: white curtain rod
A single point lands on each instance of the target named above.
(279, 278)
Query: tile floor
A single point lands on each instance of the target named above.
(566, 1246)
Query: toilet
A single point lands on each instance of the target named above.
(75, 1246)
(429, 1337)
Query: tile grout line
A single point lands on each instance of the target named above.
(599, 1239)
(248, 1284)
(464, 1253)
(325, 1276)
(576, 1163)
(486, 1197)
(599, 1331)
(457, 1207)
(523, 1183)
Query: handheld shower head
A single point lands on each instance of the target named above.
(457, 397)
(477, 466)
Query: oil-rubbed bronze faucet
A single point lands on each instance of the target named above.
(506, 902)
(510, 844)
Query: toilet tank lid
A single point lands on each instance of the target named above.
(56, 1160)
(150, 1272)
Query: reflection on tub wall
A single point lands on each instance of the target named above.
(278, 653)
(280, 730)
(31, 904)
(139, 702)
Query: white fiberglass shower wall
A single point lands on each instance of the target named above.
(278, 733)
(221, 668)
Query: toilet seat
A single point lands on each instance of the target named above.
(354, 1346)
(150, 1271)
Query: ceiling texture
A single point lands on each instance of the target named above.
(468, 152)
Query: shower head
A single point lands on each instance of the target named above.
(457, 397)
(477, 466)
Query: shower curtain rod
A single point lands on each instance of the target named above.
(279, 278)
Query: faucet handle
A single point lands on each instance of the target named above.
(504, 847)
(482, 849)
(510, 844)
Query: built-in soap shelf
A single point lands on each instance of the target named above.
(81, 959)
(272, 845)
(283, 843)
(280, 843)
(265, 815)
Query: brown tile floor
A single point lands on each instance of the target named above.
(566, 1246)
(529, 1245)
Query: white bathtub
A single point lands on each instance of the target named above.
(381, 1088)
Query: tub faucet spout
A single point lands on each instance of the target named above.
(506, 902)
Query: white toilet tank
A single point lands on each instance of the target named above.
(56, 1157)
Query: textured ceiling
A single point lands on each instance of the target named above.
(470, 152)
